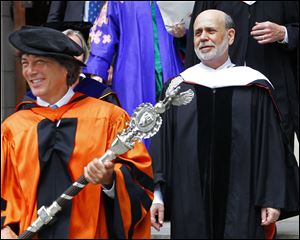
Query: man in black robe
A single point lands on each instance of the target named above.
(222, 163)
(267, 40)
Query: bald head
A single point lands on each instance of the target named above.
(213, 34)
(215, 15)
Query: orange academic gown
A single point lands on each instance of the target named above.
(91, 125)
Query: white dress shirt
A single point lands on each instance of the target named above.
(64, 100)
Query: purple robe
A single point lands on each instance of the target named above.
(126, 31)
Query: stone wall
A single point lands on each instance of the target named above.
(8, 91)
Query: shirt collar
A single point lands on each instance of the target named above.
(249, 2)
(63, 101)
(227, 64)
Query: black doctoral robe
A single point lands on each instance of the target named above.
(276, 61)
(220, 159)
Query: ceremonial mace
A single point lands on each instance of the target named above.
(144, 123)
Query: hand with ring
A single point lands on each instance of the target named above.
(268, 32)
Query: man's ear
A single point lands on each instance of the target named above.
(230, 35)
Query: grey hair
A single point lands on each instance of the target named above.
(71, 32)
(229, 23)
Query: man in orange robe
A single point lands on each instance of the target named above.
(49, 143)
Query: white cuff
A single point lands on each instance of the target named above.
(158, 198)
(286, 37)
(110, 192)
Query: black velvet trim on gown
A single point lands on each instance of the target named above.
(214, 135)
(55, 145)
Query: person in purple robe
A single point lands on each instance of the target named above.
(132, 37)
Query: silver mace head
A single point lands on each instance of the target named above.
(146, 120)
(144, 123)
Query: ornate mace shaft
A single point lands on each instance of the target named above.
(144, 123)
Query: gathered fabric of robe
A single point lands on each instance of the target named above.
(123, 36)
(44, 150)
(223, 157)
(276, 61)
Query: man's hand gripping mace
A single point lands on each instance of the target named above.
(144, 123)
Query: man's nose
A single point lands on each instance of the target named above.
(31, 69)
(204, 36)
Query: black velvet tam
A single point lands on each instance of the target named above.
(44, 41)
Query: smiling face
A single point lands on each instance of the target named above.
(45, 77)
(211, 39)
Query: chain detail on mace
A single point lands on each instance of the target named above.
(145, 122)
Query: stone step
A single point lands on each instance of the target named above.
(286, 229)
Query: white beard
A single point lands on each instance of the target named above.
(216, 52)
